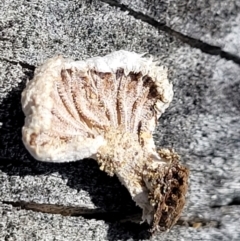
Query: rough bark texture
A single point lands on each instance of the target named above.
(76, 201)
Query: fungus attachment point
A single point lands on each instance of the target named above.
(106, 108)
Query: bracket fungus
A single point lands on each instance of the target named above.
(106, 108)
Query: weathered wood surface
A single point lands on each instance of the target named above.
(76, 201)
(213, 22)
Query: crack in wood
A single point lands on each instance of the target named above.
(24, 65)
(98, 214)
(85, 212)
(195, 43)
(234, 202)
